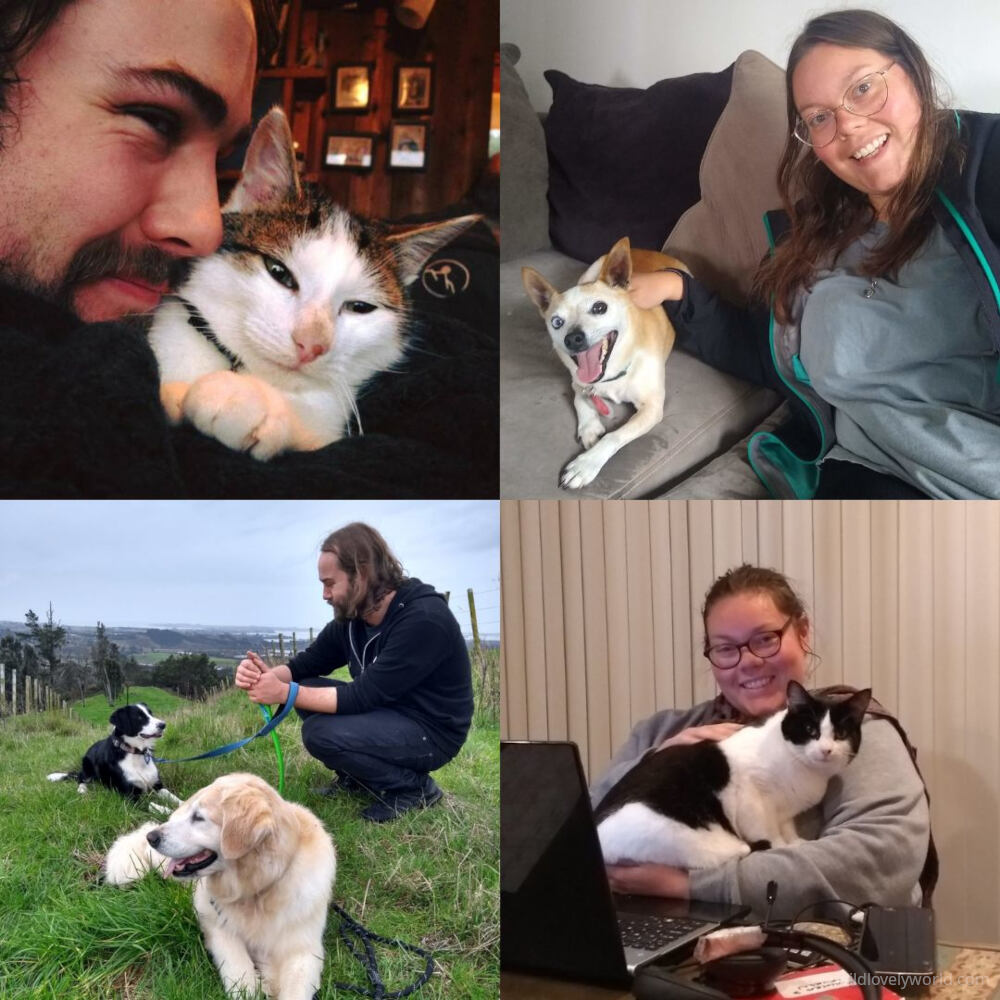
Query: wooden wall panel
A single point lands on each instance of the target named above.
(602, 625)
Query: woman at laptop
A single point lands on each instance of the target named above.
(867, 841)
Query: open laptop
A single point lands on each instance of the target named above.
(558, 915)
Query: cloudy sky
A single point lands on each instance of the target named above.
(229, 562)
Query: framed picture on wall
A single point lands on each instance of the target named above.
(414, 88)
(351, 87)
(349, 151)
(408, 145)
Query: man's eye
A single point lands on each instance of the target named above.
(161, 120)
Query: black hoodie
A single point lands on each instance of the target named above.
(415, 662)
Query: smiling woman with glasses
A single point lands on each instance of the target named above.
(869, 837)
(877, 313)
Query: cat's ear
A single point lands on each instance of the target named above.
(269, 175)
(798, 696)
(857, 704)
(413, 246)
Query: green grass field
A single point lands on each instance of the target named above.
(431, 878)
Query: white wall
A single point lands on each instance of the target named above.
(637, 42)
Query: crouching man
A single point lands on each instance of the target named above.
(407, 709)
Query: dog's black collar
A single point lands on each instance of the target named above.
(201, 324)
(147, 754)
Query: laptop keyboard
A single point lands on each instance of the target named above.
(650, 933)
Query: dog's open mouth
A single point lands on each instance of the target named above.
(591, 363)
(183, 867)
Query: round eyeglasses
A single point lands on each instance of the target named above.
(864, 97)
(726, 655)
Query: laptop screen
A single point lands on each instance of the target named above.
(557, 913)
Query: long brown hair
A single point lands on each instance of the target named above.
(827, 215)
(371, 567)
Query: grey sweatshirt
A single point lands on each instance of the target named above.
(866, 841)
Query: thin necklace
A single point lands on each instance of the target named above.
(871, 289)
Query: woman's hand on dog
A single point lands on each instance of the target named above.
(652, 288)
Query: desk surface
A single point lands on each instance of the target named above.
(963, 974)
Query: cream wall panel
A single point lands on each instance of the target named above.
(980, 761)
(855, 586)
(553, 618)
(602, 625)
(884, 613)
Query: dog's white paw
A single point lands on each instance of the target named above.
(582, 470)
(590, 433)
(160, 810)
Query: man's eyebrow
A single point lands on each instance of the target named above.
(210, 104)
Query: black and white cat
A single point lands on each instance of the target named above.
(701, 804)
(267, 342)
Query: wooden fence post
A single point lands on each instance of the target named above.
(13, 691)
(3, 687)
(475, 624)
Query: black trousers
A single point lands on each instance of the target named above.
(384, 750)
(852, 481)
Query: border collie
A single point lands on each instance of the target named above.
(124, 760)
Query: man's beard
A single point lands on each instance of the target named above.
(103, 257)
(355, 605)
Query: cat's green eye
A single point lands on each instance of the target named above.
(280, 273)
(356, 306)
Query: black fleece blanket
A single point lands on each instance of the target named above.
(80, 413)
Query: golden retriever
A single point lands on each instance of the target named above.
(264, 871)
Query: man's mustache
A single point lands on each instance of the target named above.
(108, 257)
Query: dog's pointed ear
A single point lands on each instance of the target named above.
(119, 717)
(539, 290)
(617, 269)
(247, 819)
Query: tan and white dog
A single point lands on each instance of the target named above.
(613, 349)
(263, 870)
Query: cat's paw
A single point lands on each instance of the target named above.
(172, 399)
(241, 411)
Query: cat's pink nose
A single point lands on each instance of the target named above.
(309, 352)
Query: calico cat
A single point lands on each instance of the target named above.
(701, 804)
(266, 343)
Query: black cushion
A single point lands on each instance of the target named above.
(624, 161)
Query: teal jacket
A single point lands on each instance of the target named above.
(747, 342)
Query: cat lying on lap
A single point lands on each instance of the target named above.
(699, 805)
(266, 343)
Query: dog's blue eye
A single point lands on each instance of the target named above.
(599, 308)
(557, 321)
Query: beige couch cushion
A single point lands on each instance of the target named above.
(722, 237)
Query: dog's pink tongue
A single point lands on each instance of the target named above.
(172, 863)
(589, 363)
